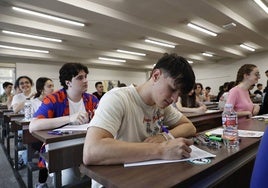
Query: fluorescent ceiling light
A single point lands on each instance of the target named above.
(111, 59)
(160, 43)
(31, 36)
(190, 61)
(48, 16)
(196, 27)
(129, 52)
(207, 54)
(247, 47)
(24, 49)
(262, 5)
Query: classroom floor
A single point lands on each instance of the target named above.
(11, 178)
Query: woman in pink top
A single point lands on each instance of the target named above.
(247, 75)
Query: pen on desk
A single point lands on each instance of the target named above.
(164, 129)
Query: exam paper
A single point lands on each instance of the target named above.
(211, 111)
(241, 133)
(195, 154)
(82, 127)
(264, 116)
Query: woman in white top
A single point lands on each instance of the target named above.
(225, 95)
(25, 84)
(188, 103)
(44, 86)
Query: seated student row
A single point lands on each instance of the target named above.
(161, 90)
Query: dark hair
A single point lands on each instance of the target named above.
(245, 69)
(266, 71)
(70, 70)
(259, 85)
(122, 85)
(97, 83)
(5, 84)
(17, 83)
(179, 69)
(230, 85)
(225, 86)
(196, 84)
(209, 88)
(40, 84)
(189, 100)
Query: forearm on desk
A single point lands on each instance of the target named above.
(48, 123)
(184, 128)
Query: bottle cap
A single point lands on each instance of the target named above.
(228, 105)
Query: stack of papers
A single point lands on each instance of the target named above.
(195, 154)
(241, 133)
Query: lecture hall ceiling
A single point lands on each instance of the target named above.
(125, 24)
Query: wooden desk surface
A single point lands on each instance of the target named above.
(194, 115)
(48, 138)
(62, 157)
(23, 125)
(183, 174)
(205, 121)
(3, 106)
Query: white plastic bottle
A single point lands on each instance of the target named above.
(230, 127)
(28, 110)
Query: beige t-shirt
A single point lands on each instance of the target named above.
(123, 113)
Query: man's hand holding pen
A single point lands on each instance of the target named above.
(79, 118)
(176, 148)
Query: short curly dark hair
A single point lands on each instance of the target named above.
(70, 70)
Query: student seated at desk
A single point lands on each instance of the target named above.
(127, 124)
(44, 86)
(25, 85)
(188, 103)
(6, 97)
(70, 105)
(247, 75)
(225, 95)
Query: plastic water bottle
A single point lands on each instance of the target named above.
(230, 127)
(28, 110)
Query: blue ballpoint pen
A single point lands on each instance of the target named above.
(164, 129)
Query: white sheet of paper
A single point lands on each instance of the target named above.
(264, 116)
(82, 127)
(195, 154)
(241, 133)
(211, 111)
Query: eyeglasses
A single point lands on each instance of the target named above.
(257, 74)
(22, 83)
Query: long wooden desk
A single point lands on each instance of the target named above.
(205, 121)
(228, 169)
(3, 129)
(9, 118)
(63, 151)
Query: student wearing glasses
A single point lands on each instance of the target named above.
(127, 126)
(247, 76)
(25, 85)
